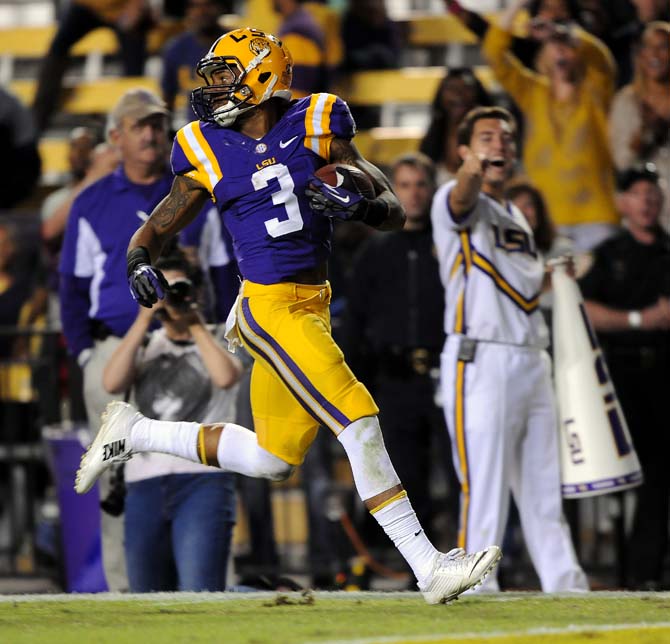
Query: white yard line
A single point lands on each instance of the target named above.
(571, 628)
(192, 597)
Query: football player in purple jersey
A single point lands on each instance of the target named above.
(254, 152)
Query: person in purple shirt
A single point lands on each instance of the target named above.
(255, 153)
(96, 306)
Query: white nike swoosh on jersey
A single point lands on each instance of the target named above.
(284, 144)
(142, 215)
(335, 194)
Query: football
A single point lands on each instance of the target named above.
(355, 180)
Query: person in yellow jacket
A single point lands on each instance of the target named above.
(564, 104)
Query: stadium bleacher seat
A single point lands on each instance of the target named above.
(33, 42)
(408, 85)
(432, 30)
(94, 97)
(383, 144)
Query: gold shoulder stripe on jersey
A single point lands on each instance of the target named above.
(317, 124)
(200, 155)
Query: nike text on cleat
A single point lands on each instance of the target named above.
(111, 445)
(456, 571)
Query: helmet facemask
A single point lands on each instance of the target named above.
(230, 87)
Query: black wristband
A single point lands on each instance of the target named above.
(137, 257)
(376, 213)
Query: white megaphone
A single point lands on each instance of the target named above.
(597, 453)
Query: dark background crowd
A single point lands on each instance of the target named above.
(589, 82)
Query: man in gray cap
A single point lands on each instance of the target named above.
(96, 306)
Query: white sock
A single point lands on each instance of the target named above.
(166, 436)
(400, 523)
(238, 451)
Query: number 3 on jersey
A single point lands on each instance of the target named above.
(284, 196)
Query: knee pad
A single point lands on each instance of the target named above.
(370, 463)
(239, 451)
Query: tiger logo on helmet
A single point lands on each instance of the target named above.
(243, 68)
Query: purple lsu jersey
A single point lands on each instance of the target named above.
(259, 185)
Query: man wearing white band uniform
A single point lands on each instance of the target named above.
(496, 381)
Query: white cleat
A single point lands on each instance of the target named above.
(111, 445)
(456, 571)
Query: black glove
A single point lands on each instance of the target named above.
(334, 201)
(147, 284)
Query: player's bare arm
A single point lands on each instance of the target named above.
(345, 152)
(179, 208)
(184, 201)
(469, 179)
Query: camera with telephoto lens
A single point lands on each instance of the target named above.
(180, 294)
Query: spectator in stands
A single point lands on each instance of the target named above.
(543, 14)
(639, 122)
(88, 163)
(529, 200)
(173, 540)
(627, 297)
(96, 307)
(130, 19)
(371, 39)
(183, 52)
(81, 142)
(394, 335)
(459, 91)
(565, 106)
(20, 163)
(613, 22)
(306, 41)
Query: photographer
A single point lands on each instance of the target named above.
(627, 297)
(173, 539)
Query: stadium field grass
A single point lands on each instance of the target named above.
(360, 618)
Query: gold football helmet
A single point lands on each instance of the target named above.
(243, 68)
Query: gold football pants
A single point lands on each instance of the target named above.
(299, 380)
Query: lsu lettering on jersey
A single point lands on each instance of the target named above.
(259, 184)
(491, 271)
